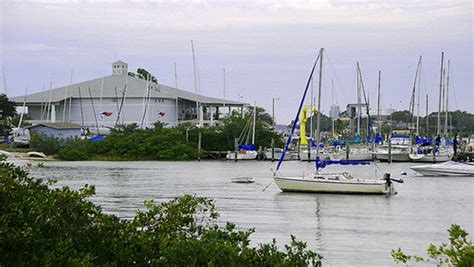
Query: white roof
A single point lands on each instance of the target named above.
(113, 86)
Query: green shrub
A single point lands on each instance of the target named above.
(43, 226)
(458, 252)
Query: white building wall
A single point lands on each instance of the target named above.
(132, 112)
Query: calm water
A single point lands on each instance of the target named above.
(345, 229)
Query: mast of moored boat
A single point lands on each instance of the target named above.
(254, 121)
(378, 104)
(418, 102)
(318, 115)
(438, 130)
(447, 99)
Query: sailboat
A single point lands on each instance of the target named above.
(425, 150)
(245, 151)
(319, 182)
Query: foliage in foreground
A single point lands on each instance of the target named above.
(43, 226)
(458, 252)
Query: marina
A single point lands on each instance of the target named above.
(345, 229)
(236, 133)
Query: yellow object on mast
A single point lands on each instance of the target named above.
(303, 119)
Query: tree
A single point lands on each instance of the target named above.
(61, 227)
(7, 111)
(144, 74)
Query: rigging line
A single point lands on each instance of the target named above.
(243, 134)
(93, 110)
(365, 99)
(116, 99)
(338, 84)
(121, 104)
(80, 103)
(298, 113)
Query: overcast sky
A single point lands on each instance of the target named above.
(266, 47)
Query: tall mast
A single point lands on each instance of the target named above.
(359, 111)
(418, 102)
(427, 118)
(254, 121)
(438, 129)
(319, 102)
(443, 96)
(311, 129)
(175, 76)
(378, 103)
(4, 81)
(70, 99)
(447, 100)
(411, 108)
(223, 87)
(195, 83)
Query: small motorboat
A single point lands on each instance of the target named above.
(449, 168)
(243, 180)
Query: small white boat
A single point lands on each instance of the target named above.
(6, 154)
(242, 155)
(243, 180)
(449, 168)
(34, 154)
(342, 183)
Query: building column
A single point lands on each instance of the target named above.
(201, 115)
(212, 115)
(53, 113)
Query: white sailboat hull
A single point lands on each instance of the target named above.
(242, 155)
(449, 168)
(429, 158)
(332, 183)
(356, 156)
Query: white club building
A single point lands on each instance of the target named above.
(123, 99)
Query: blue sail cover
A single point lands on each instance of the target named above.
(448, 141)
(97, 138)
(423, 141)
(400, 136)
(378, 138)
(339, 143)
(247, 147)
(320, 164)
(314, 144)
(367, 140)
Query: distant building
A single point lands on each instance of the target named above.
(334, 111)
(120, 98)
(58, 130)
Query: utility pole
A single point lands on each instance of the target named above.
(195, 84)
(273, 110)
